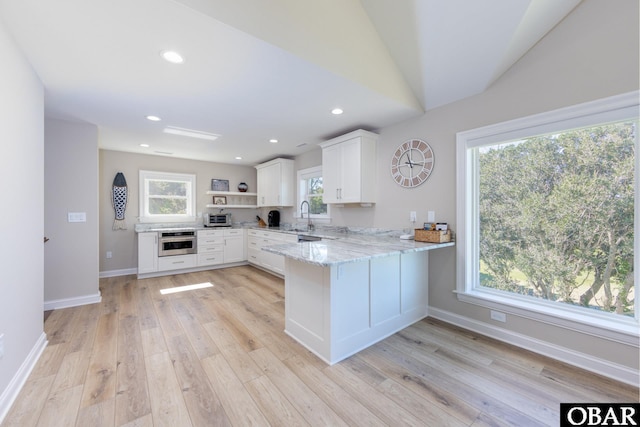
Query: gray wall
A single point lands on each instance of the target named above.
(21, 186)
(122, 243)
(586, 57)
(71, 185)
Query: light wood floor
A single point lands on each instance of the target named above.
(218, 356)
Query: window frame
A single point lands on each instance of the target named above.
(146, 217)
(620, 107)
(305, 174)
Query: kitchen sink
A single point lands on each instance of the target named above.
(307, 238)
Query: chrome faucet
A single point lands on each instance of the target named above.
(309, 225)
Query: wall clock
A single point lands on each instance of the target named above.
(412, 163)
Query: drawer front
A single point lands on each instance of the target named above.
(210, 248)
(254, 242)
(209, 233)
(176, 262)
(233, 232)
(210, 258)
(210, 240)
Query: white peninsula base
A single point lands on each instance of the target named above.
(338, 310)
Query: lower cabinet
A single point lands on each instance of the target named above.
(221, 246)
(147, 252)
(176, 262)
(257, 239)
(234, 246)
(214, 247)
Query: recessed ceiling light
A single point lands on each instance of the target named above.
(191, 133)
(337, 111)
(238, 158)
(273, 141)
(153, 118)
(172, 56)
(144, 145)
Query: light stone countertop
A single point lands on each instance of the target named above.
(350, 248)
(339, 245)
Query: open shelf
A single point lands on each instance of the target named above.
(234, 195)
(230, 193)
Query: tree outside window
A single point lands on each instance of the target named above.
(556, 217)
(310, 188)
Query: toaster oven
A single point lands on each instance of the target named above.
(216, 220)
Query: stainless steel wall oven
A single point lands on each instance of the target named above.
(172, 242)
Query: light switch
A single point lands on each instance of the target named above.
(76, 216)
(431, 216)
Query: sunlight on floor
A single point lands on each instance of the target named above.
(186, 288)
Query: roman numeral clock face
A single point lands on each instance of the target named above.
(412, 163)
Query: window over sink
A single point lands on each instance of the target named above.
(310, 189)
(167, 197)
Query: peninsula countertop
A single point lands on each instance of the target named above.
(350, 248)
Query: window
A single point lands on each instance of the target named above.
(547, 207)
(310, 189)
(167, 197)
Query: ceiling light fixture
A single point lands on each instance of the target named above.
(238, 158)
(144, 145)
(172, 56)
(191, 133)
(337, 111)
(153, 118)
(273, 141)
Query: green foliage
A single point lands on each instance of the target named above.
(167, 197)
(558, 210)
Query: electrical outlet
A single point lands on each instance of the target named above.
(499, 316)
(431, 216)
(109, 254)
(413, 216)
(1, 346)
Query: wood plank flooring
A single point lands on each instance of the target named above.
(218, 356)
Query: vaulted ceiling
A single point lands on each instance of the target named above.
(259, 70)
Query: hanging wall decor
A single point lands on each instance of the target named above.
(119, 201)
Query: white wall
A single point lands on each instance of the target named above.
(71, 185)
(21, 186)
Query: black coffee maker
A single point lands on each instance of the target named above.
(274, 219)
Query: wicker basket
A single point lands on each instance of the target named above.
(432, 236)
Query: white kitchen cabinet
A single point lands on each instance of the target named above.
(234, 246)
(147, 252)
(275, 183)
(176, 262)
(222, 246)
(349, 168)
(210, 247)
(257, 239)
(338, 310)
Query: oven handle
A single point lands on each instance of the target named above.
(177, 239)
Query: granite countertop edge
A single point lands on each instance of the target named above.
(326, 253)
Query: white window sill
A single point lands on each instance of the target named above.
(622, 330)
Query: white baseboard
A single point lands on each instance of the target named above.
(585, 361)
(116, 273)
(72, 302)
(10, 394)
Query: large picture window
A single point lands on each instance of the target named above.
(167, 197)
(548, 207)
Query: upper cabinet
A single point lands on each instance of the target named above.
(349, 168)
(275, 183)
